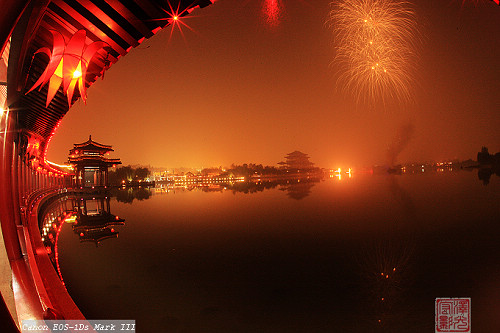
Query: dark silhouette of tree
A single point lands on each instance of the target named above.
(142, 173)
(488, 165)
(127, 174)
(484, 157)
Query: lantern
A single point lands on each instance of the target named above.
(67, 65)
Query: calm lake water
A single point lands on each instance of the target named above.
(363, 254)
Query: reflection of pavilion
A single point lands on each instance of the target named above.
(91, 219)
(300, 188)
(94, 222)
(90, 163)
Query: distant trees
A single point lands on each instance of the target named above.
(211, 171)
(485, 158)
(247, 170)
(488, 165)
(141, 173)
(295, 162)
(128, 174)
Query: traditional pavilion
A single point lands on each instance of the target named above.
(91, 164)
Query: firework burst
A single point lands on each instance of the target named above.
(374, 42)
(272, 12)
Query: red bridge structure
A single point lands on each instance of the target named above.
(51, 52)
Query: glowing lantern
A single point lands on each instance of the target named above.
(33, 147)
(67, 65)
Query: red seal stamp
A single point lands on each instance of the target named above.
(453, 315)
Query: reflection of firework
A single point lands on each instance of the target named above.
(272, 10)
(386, 270)
(374, 47)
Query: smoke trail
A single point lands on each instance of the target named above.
(399, 143)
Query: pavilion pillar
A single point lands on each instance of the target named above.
(84, 207)
(79, 177)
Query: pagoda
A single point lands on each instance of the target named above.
(296, 161)
(91, 164)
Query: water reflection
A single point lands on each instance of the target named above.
(128, 194)
(300, 189)
(355, 251)
(89, 215)
(401, 196)
(94, 221)
(295, 188)
(385, 267)
(484, 174)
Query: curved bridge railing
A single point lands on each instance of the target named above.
(40, 40)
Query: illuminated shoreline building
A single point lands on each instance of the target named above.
(91, 164)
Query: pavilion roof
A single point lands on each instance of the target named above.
(91, 160)
(91, 145)
(296, 154)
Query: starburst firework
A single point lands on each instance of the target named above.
(375, 49)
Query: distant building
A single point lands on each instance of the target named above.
(296, 161)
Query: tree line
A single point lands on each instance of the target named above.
(128, 174)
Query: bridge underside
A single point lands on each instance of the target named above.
(36, 35)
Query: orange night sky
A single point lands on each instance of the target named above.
(237, 90)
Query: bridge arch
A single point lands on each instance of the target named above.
(36, 35)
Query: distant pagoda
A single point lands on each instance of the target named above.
(90, 163)
(296, 161)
